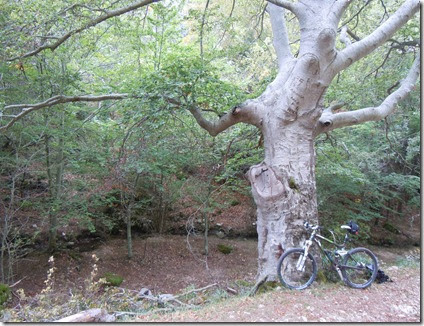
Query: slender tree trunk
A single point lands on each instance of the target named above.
(53, 220)
(161, 204)
(206, 221)
(4, 230)
(129, 217)
(129, 235)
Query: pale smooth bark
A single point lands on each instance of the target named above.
(249, 112)
(330, 120)
(292, 6)
(385, 31)
(279, 30)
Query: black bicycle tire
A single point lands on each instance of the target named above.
(373, 275)
(314, 269)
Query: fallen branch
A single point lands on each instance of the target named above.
(88, 316)
(16, 283)
(196, 290)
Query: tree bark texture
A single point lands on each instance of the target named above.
(283, 185)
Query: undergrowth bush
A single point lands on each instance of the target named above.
(52, 304)
(225, 249)
(113, 279)
(4, 294)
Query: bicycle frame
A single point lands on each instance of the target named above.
(315, 237)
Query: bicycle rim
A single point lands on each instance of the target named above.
(360, 268)
(290, 276)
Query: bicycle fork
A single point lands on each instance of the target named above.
(300, 266)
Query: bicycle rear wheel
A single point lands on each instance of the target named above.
(289, 275)
(359, 268)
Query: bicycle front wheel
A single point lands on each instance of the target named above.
(359, 268)
(288, 273)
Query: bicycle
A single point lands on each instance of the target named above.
(297, 268)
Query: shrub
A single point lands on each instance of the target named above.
(4, 293)
(225, 249)
(113, 279)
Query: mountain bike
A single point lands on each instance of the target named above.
(297, 268)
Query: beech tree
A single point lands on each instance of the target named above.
(290, 113)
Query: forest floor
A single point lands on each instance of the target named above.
(398, 301)
(173, 264)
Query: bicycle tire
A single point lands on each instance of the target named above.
(363, 268)
(289, 276)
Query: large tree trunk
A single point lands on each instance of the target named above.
(283, 185)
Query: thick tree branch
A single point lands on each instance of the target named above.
(94, 22)
(280, 37)
(293, 7)
(330, 120)
(343, 36)
(339, 7)
(249, 112)
(59, 99)
(360, 49)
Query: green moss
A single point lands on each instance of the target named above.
(268, 286)
(113, 279)
(321, 276)
(4, 293)
(292, 184)
(234, 202)
(225, 249)
(243, 283)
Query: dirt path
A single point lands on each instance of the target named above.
(398, 301)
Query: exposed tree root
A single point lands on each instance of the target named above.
(255, 288)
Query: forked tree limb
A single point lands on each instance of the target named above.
(385, 31)
(91, 23)
(330, 120)
(248, 112)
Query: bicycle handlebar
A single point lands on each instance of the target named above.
(310, 226)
